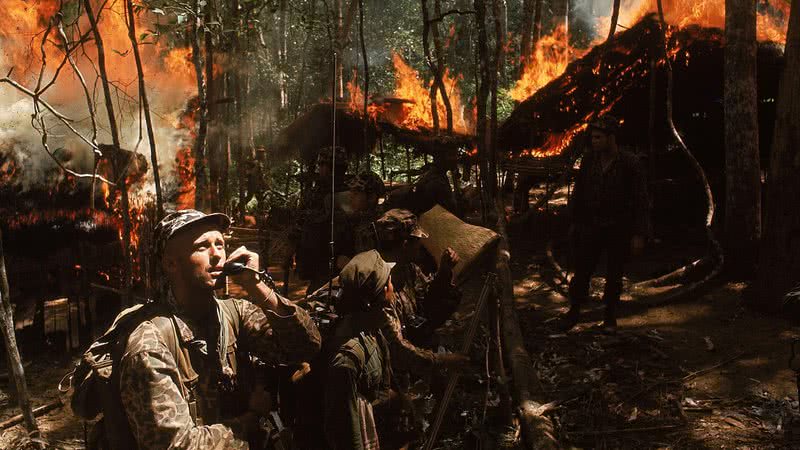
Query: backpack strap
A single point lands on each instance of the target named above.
(168, 329)
(231, 319)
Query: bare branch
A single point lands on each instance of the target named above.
(64, 119)
(441, 17)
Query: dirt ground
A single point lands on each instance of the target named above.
(706, 372)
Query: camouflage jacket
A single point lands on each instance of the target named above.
(150, 384)
(355, 377)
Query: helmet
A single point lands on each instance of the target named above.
(338, 154)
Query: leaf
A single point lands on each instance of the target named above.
(143, 36)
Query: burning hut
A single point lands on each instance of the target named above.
(625, 78)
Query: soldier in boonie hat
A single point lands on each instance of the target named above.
(398, 225)
(175, 221)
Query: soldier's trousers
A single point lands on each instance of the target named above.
(588, 246)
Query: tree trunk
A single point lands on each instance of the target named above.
(779, 265)
(120, 173)
(537, 23)
(742, 169)
(282, 56)
(366, 80)
(528, 7)
(212, 137)
(484, 84)
(145, 106)
(497, 10)
(614, 19)
(10, 340)
(426, 28)
(202, 124)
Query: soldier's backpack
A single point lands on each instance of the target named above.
(95, 383)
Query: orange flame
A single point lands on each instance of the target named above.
(547, 61)
(417, 115)
(356, 102)
(552, 53)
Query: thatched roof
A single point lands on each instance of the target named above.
(615, 79)
(313, 130)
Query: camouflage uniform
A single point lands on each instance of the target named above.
(157, 398)
(311, 233)
(417, 295)
(360, 367)
(431, 189)
(361, 222)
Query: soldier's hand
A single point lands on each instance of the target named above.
(457, 362)
(247, 278)
(449, 259)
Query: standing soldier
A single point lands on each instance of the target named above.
(172, 403)
(610, 211)
(312, 233)
(365, 191)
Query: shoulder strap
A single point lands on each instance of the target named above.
(168, 330)
(232, 316)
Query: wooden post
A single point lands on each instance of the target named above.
(16, 369)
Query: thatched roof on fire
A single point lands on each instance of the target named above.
(614, 78)
(313, 130)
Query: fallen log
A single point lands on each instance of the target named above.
(537, 428)
(41, 410)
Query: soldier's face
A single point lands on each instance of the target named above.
(600, 140)
(195, 258)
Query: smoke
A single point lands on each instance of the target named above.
(170, 82)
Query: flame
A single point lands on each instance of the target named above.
(184, 167)
(555, 143)
(7, 170)
(552, 53)
(547, 61)
(417, 115)
(356, 102)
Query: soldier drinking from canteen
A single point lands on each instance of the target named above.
(163, 409)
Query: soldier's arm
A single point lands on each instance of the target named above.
(405, 355)
(342, 419)
(281, 334)
(157, 413)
